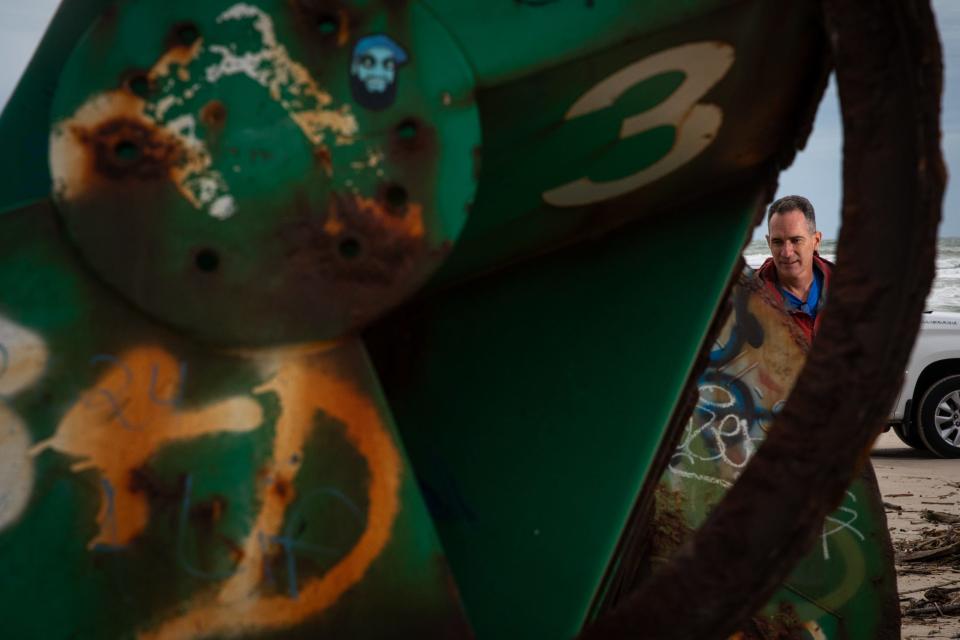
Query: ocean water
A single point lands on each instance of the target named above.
(945, 294)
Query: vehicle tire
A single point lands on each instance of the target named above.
(938, 418)
(910, 437)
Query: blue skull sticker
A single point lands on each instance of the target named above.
(373, 71)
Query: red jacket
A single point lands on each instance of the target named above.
(768, 274)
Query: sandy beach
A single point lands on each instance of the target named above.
(922, 494)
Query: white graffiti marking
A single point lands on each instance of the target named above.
(724, 440)
(16, 468)
(23, 360)
(726, 434)
(288, 82)
(834, 524)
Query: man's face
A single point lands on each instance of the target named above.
(792, 244)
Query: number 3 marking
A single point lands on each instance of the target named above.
(704, 64)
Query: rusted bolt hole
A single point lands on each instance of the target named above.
(207, 260)
(328, 24)
(126, 152)
(213, 113)
(187, 33)
(349, 248)
(139, 85)
(396, 198)
(407, 129)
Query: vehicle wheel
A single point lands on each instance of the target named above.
(939, 418)
(909, 437)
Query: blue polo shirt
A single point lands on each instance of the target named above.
(808, 306)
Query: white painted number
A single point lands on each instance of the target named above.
(704, 64)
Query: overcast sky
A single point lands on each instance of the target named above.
(815, 173)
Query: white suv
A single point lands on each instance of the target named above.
(927, 411)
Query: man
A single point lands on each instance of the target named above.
(796, 275)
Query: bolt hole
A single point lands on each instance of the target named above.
(349, 248)
(396, 198)
(139, 85)
(328, 24)
(407, 130)
(187, 34)
(207, 260)
(126, 151)
(213, 113)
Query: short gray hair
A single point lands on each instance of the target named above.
(786, 204)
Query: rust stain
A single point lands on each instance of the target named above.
(770, 383)
(125, 147)
(71, 158)
(213, 114)
(84, 148)
(780, 358)
(410, 225)
(343, 32)
(359, 242)
(413, 139)
(208, 513)
(236, 551)
(304, 386)
(333, 226)
(322, 156)
(180, 56)
(670, 528)
(281, 486)
(117, 426)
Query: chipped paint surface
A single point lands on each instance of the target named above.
(176, 62)
(373, 160)
(304, 385)
(288, 82)
(131, 413)
(409, 225)
(186, 160)
(172, 117)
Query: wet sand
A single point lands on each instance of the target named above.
(916, 481)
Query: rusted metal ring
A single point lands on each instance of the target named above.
(894, 179)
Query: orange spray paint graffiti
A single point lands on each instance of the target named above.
(304, 385)
(124, 420)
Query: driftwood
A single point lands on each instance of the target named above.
(940, 517)
(925, 589)
(932, 554)
(934, 610)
